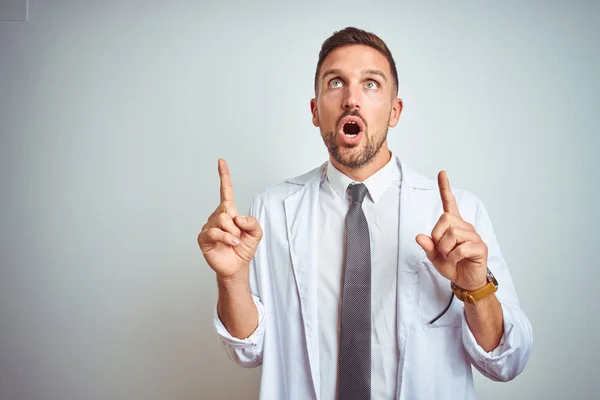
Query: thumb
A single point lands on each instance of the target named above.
(250, 225)
(427, 245)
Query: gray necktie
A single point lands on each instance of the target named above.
(354, 361)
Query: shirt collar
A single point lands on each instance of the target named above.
(376, 184)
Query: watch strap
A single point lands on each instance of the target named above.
(474, 296)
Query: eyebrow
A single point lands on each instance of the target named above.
(376, 72)
(336, 71)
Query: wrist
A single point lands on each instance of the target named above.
(471, 287)
(233, 288)
(479, 294)
(236, 279)
(484, 303)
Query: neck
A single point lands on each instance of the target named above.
(360, 174)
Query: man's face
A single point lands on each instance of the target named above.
(355, 104)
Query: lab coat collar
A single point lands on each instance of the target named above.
(410, 177)
(376, 184)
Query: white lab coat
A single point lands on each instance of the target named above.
(435, 359)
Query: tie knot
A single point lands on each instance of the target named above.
(357, 192)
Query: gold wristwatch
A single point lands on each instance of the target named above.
(474, 296)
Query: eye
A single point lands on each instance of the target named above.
(371, 85)
(335, 83)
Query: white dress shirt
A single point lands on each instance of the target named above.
(381, 208)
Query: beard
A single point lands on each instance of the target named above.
(360, 154)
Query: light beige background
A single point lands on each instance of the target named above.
(112, 117)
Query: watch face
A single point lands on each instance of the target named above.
(491, 277)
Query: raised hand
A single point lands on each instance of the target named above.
(455, 249)
(228, 240)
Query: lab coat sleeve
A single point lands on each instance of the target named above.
(247, 352)
(510, 357)
(244, 352)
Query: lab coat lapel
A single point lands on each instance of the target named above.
(410, 255)
(301, 214)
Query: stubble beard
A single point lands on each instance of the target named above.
(355, 157)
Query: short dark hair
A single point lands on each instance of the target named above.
(349, 36)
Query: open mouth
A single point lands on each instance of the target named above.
(351, 128)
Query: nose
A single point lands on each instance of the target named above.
(352, 97)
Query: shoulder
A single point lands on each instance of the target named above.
(279, 192)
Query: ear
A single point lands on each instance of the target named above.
(314, 112)
(395, 112)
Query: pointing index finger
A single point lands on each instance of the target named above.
(226, 185)
(448, 199)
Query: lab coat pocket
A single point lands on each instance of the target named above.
(437, 306)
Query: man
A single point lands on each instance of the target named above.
(372, 281)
